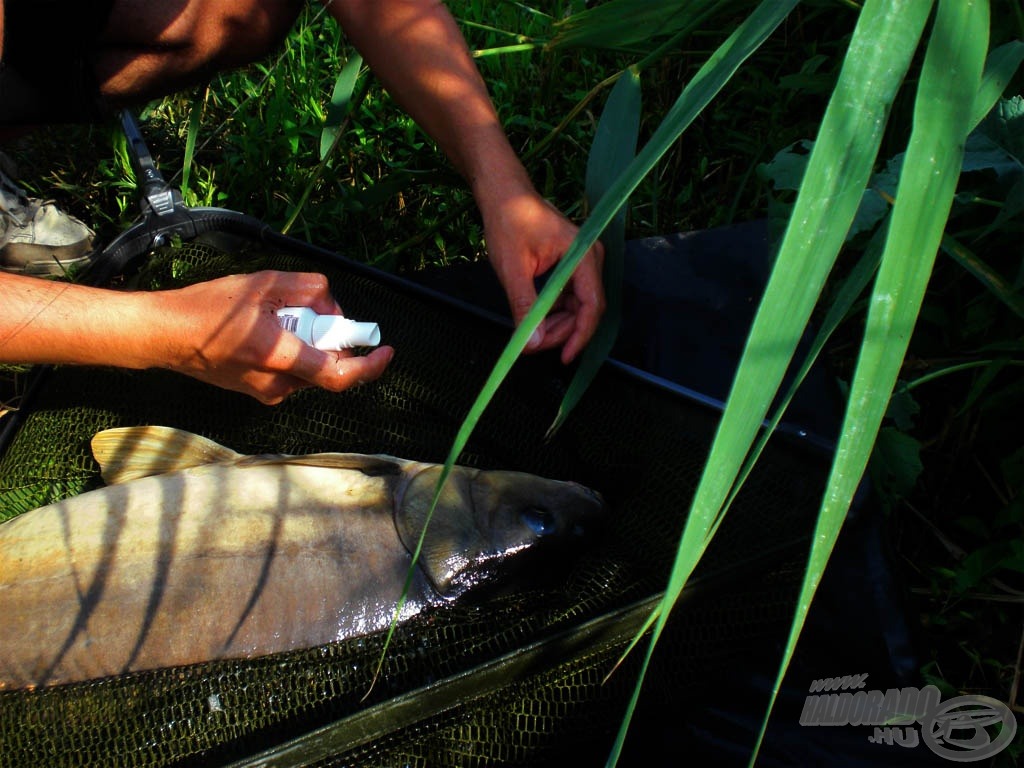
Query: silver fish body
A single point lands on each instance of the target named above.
(196, 553)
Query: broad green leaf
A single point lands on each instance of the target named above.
(341, 97)
(786, 170)
(895, 464)
(614, 146)
(1000, 67)
(983, 153)
(902, 408)
(951, 77)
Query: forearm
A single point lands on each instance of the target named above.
(224, 331)
(417, 51)
(52, 322)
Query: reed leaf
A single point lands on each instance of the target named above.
(838, 170)
(830, 193)
(1000, 67)
(613, 147)
(950, 78)
(623, 24)
(708, 81)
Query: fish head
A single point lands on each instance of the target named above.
(488, 523)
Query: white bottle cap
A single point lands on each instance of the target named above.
(334, 332)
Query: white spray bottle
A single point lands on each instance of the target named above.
(328, 332)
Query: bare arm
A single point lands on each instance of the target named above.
(223, 332)
(419, 54)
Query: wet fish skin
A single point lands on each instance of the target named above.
(197, 553)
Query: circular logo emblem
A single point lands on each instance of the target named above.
(956, 729)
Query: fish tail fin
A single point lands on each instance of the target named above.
(128, 453)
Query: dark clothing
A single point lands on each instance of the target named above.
(46, 75)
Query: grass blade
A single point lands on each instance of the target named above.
(708, 81)
(951, 77)
(614, 146)
(338, 114)
(341, 97)
(195, 118)
(998, 285)
(847, 294)
(620, 24)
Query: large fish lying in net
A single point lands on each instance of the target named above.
(194, 552)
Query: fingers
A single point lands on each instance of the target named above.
(332, 371)
(572, 321)
(299, 289)
(225, 332)
(588, 291)
(338, 371)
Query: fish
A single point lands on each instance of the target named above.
(192, 552)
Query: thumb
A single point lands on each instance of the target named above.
(521, 296)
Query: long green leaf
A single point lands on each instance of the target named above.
(950, 78)
(830, 193)
(338, 113)
(1000, 67)
(838, 170)
(341, 97)
(999, 286)
(697, 94)
(847, 294)
(614, 146)
(708, 81)
(195, 118)
(622, 24)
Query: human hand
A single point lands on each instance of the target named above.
(225, 332)
(526, 236)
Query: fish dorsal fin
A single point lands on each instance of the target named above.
(376, 465)
(128, 453)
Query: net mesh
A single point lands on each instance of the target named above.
(512, 680)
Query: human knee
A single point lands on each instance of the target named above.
(201, 32)
(238, 32)
(150, 49)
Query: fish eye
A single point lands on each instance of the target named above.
(538, 520)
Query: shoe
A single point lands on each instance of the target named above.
(36, 237)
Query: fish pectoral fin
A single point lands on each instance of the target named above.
(128, 453)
